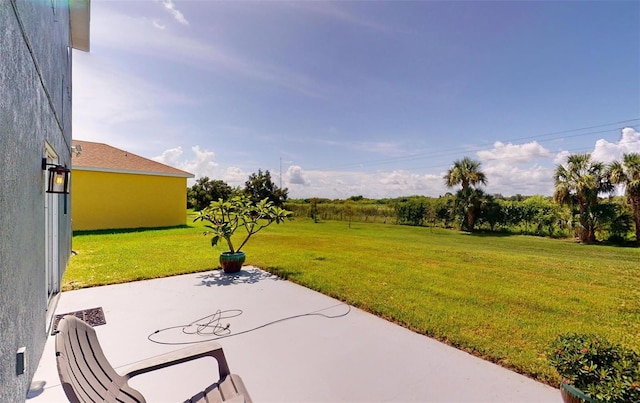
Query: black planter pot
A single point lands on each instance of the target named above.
(231, 262)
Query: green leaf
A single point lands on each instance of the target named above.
(214, 240)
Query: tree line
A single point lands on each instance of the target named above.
(530, 215)
(583, 204)
(582, 185)
(257, 187)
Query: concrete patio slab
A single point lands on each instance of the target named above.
(288, 343)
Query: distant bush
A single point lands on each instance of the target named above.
(529, 215)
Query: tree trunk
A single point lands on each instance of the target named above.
(635, 208)
(470, 220)
(586, 232)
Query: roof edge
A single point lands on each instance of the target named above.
(127, 171)
(80, 19)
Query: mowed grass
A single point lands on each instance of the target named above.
(503, 298)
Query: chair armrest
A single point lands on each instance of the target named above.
(208, 349)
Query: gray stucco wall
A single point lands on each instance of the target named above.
(35, 107)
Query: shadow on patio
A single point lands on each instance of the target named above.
(217, 278)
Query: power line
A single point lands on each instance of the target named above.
(540, 155)
(481, 146)
(457, 150)
(575, 130)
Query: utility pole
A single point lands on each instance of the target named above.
(280, 172)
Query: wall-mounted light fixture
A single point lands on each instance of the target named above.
(58, 178)
(76, 149)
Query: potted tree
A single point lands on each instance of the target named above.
(595, 370)
(225, 217)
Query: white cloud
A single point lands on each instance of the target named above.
(380, 184)
(295, 175)
(235, 176)
(141, 36)
(201, 164)
(630, 137)
(510, 179)
(561, 157)
(504, 177)
(510, 169)
(605, 151)
(513, 169)
(516, 169)
(159, 25)
(514, 153)
(333, 11)
(411, 183)
(395, 178)
(329, 184)
(177, 14)
(170, 157)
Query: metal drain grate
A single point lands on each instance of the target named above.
(94, 317)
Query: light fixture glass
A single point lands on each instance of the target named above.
(58, 178)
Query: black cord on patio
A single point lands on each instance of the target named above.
(213, 325)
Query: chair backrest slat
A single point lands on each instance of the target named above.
(85, 373)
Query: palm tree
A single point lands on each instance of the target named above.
(470, 204)
(578, 184)
(627, 173)
(466, 172)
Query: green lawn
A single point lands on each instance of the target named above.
(500, 297)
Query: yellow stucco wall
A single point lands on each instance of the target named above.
(105, 200)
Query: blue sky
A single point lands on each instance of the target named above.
(362, 98)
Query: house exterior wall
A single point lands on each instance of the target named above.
(107, 200)
(35, 109)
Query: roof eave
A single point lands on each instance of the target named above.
(80, 17)
(130, 171)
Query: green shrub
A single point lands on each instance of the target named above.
(602, 370)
